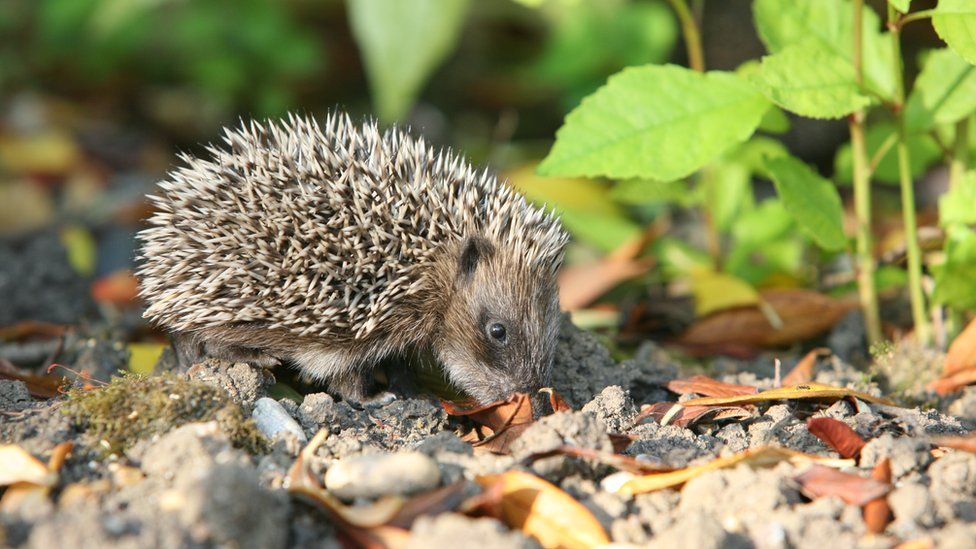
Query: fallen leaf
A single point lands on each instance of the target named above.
(804, 370)
(715, 291)
(804, 314)
(707, 386)
(953, 382)
(30, 329)
(499, 423)
(802, 391)
(819, 481)
(434, 502)
(921, 543)
(46, 386)
(837, 435)
(119, 288)
(962, 352)
(545, 512)
(556, 401)
(675, 413)
(21, 467)
(620, 461)
(621, 441)
(764, 456)
(966, 443)
(877, 513)
(143, 356)
(581, 284)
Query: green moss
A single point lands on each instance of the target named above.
(133, 407)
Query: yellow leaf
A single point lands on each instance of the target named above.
(20, 466)
(801, 391)
(143, 356)
(50, 152)
(545, 512)
(764, 456)
(24, 206)
(81, 249)
(715, 291)
(564, 192)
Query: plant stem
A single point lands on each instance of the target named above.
(923, 331)
(862, 197)
(909, 17)
(689, 28)
(960, 153)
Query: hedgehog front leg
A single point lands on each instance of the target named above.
(347, 374)
(192, 349)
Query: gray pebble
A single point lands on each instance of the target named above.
(370, 476)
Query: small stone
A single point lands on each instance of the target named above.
(316, 410)
(373, 475)
(272, 420)
(14, 395)
(614, 406)
(698, 529)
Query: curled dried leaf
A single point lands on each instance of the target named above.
(706, 386)
(837, 435)
(819, 481)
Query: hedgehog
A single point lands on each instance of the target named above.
(334, 247)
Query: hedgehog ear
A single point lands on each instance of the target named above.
(473, 251)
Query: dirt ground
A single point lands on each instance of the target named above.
(193, 483)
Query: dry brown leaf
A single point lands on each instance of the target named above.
(804, 370)
(556, 401)
(837, 435)
(545, 512)
(877, 513)
(962, 352)
(119, 288)
(966, 443)
(622, 462)
(953, 382)
(46, 386)
(434, 502)
(706, 386)
(500, 423)
(819, 481)
(582, 284)
(21, 467)
(764, 456)
(921, 543)
(802, 391)
(804, 314)
(32, 329)
(677, 413)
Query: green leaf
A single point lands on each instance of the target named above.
(766, 243)
(955, 21)
(830, 24)
(728, 192)
(955, 279)
(811, 81)
(958, 206)
(753, 154)
(901, 5)
(678, 259)
(944, 92)
(655, 122)
(775, 121)
(923, 152)
(585, 206)
(642, 191)
(812, 200)
(401, 44)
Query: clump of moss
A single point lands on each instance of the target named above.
(132, 407)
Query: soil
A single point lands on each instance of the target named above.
(192, 482)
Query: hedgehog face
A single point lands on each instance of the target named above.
(500, 328)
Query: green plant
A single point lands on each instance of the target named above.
(669, 134)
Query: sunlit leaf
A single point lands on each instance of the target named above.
(585, 206)
(143, 356)
(812, 200)
(20, 466)
(545, 512)
(819, 481)
(716, 291)
(923, 152)
(401, 44)
(829, 24)
(836, 434)
(706, 386)
(678, 258)
(955, 21)
(901, 5)
(958, 206)
(944, 92)
(728, 192)
(655, 122)
(794, 392)
(642, 191)
(811, 81)
(81, 248)
(955, 279)
(764, 456)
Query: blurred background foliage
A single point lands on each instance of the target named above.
(97, 96)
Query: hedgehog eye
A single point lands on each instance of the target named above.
(497, 331)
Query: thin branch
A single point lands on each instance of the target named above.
(689, 28)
